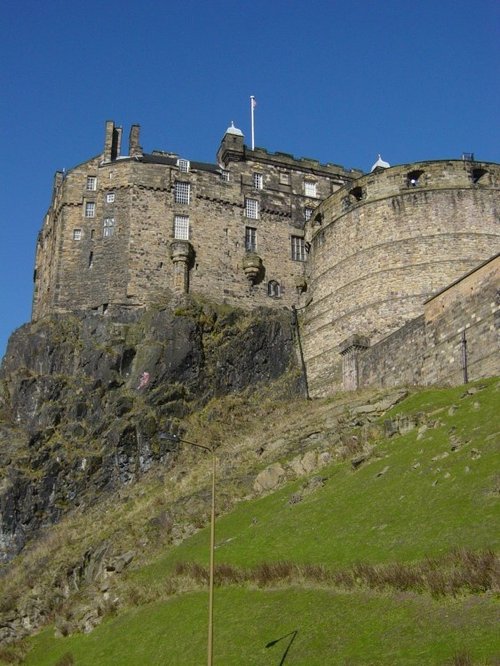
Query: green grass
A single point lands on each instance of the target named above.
(332, 628)
(358, 516)
(430, 500)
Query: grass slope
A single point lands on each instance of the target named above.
(332, 628)
(421, 494)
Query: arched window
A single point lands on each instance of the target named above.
(273, 289)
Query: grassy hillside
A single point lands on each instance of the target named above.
(388, 563)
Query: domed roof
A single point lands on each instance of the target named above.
(234, 130)
(380, 163)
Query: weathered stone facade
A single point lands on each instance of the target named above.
(357, 254)
(457, 339)
(380, 249)
(126, 230)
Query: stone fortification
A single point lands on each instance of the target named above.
(357, 254)
(380, 248)
(454, 341)
(130, 229)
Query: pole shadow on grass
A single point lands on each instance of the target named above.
(292, 636)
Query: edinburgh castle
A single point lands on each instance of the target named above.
(394, 274)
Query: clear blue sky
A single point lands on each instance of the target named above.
(337, 81)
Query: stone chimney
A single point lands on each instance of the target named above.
(112, 142)
(134, 149)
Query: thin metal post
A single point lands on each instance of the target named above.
(211, 580)
(252, 107)
(464, 358)
(295, 321)
(210, 642)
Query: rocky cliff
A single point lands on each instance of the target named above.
(86, 399)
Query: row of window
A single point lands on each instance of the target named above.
(184, 166)
(298, 248)
(252, 210)
(90, 205)
(310, 186)
(108, 228)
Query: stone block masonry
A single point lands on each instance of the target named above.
(377, 256)
(456, 339)
(107, 239)
(358, 255)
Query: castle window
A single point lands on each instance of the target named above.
(298, 249)
(224, 175)
(307, 213)
(183, 165)
(90, 209)
(91, 183)
(310, 188)
(477, 175)
(250, 239)
(91, 260)
(357, 193)
(181, 227)
(182, 192)
(108, 227)
(252, 209)
(274, 289)
(110, 197)
(258, 181)
(284, 178)
(413, 177)
(77, 234)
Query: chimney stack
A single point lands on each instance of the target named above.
(112, 142)
(134, 149)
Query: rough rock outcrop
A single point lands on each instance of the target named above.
(84, 399)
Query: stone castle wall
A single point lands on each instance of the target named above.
(457, 337)
(379, 250)
(81, 264)
(358, 254)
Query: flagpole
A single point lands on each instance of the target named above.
(252, 106)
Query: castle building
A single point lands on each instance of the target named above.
(380, 248)
(357, 254)
(127, 229)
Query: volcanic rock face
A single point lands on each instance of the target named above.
(85, 399)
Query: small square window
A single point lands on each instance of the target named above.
(183, 165)
(284, 178)
(182, 192)
(310, 188)
(90, 209)
(181, 227)
(258, 181)
(77, 234)
(298, 249)
(250, 239)
(91, 183)
(224, 175)
(110, 197)
(108, 227)
(252, 209)
(307, 213)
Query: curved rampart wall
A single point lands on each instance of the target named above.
(381, 248)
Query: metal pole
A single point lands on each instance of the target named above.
(464, 358)
(175, 438)
(252, 106)
(295, 321)
(211, 580)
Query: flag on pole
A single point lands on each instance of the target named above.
(253, 104)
